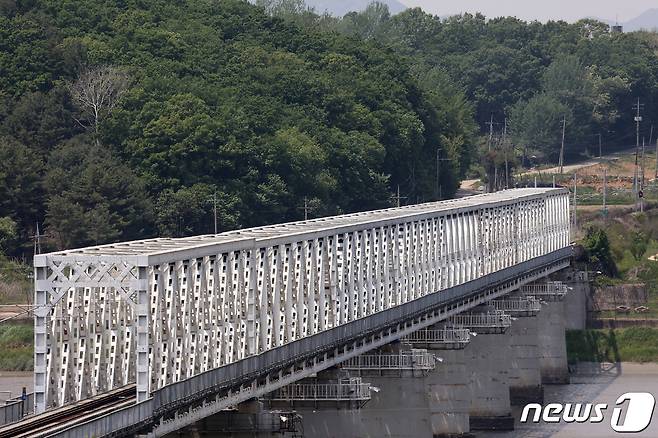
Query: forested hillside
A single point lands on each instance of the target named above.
(128, 119)
(532, 74)
(125, 119)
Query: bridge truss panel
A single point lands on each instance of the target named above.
(163, 310)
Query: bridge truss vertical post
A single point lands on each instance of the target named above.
(40, 337)
(143, 366)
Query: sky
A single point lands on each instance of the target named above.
(542, 10)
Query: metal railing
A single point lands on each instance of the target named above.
(529, 304)
(352, 389)
(15, 409)
(482, 320)
(407, 360)
(548, 289)
(439, 336)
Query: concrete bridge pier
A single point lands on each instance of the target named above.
(525, 380)
(489, 363)
(552, 343)
(448, 392)
(397, 397)
(449, 395)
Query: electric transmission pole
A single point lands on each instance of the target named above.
(656, 175)
(306, 208)
(506, 158)
(638, 119)
(491, 123)
(564, 129)
(398, 198)
(214, 209)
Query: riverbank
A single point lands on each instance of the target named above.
(16, 345)
(635, 344)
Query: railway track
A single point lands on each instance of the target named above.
(56, 420)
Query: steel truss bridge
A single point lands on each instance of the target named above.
(203, 323)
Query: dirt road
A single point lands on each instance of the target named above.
(471, 184)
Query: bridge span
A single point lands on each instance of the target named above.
(202, 323)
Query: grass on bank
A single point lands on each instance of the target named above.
(16, 347)
(637, 344)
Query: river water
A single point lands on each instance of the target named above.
(592, 384)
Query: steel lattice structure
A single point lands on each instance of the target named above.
(159, 311)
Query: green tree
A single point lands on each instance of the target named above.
(536, 125)
(21, 185)
(93, 197)
(8, 235)
(190, 210)
(639, 244)
(597, 247)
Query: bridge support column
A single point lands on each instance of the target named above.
(525, 384)
(489, 362)
(552, 343)
(449, 395)
(397, 408)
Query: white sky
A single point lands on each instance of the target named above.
(569, 10)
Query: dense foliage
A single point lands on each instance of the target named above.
(125, 119)
(597, 248)
(531, 78)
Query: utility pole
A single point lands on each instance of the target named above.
(656, 175)
(575, 203)
(439, 191)
(638, 119)
(642, 165)
(564, 128)
(600, 154)
(398, 197)
(605, 191)
(506, 158)
(37, 241)
(491, 123)
(306, 208)
(214, 208)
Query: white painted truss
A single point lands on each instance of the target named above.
(159, 311)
